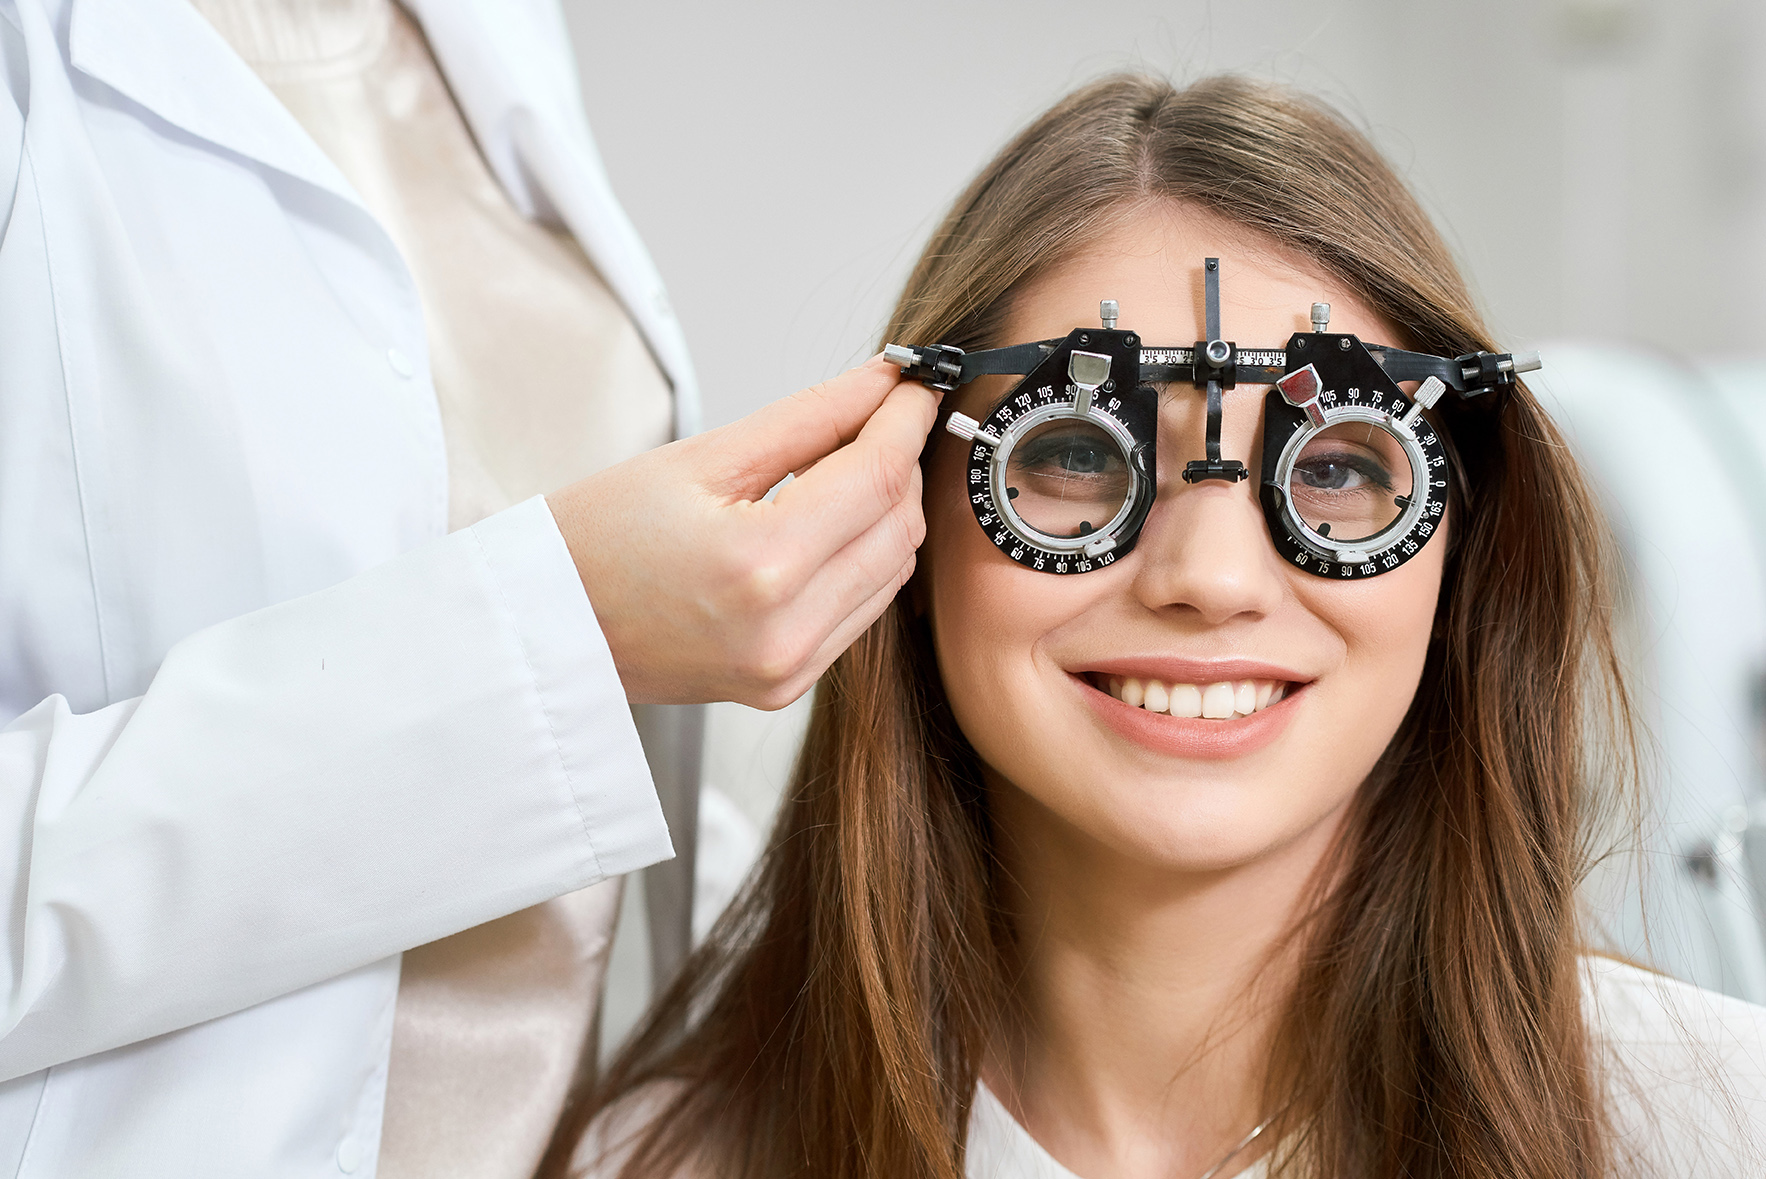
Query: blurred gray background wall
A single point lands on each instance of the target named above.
(1598, 165)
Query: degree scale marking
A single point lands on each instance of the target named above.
(1246, 357)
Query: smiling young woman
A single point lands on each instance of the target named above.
(1197, 862)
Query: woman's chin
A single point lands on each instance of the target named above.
(1187, 825)
(1201, 839)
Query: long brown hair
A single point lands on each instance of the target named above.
(834, 1023)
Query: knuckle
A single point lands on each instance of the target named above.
(765, 586)
(818, 399)
(776, 698)
(906, 528)
(890, 475)
(810, 416)
(916, 527)
(757, 574)
(916, 537)
(774, 662)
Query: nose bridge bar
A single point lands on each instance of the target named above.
(1211, 315)
(1211, 297)
(1214, 367)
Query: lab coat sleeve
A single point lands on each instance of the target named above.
(313, 787)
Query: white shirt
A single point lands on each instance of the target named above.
(1685, 1072)
(1000, 1148)
(268, 725)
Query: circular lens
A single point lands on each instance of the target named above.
(1350, 481)
(1067, 477)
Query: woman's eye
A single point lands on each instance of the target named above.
(1067, 478)
(1084, 460)
(1072, 456)
(1342, 472)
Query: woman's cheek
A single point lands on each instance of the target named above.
(1385, 624)
(954, 584)
(987, 615)
(977, 630)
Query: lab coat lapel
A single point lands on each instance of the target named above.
(510, 67)
(163, 55)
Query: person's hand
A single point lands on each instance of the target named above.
(707, 592)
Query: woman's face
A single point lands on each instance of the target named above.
(1203, 616)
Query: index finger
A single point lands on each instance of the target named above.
(794, 432)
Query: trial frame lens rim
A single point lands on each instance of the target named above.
(1359, 550)
(1000, 461)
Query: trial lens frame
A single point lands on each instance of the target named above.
(1335, 412)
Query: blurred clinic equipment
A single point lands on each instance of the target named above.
(1677, 446)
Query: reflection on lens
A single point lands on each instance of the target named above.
(1350, 482)
(1067, 478)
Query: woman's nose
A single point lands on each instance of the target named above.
(1205, 549)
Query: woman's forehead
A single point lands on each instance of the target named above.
(1151, 263)
(1150, 260)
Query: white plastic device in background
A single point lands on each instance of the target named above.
(1677, 449)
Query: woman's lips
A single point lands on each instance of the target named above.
(1204, 737)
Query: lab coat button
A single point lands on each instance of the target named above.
(349, 1156)
(401, 364)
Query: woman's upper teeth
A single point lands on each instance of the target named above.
(1219, 701)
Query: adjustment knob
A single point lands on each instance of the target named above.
(1321, 316)
(1108, 312)
(1427, 394)
(969, 430)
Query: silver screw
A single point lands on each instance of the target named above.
(1321, 316)
(1108, 312)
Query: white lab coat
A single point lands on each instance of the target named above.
(268, 725)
